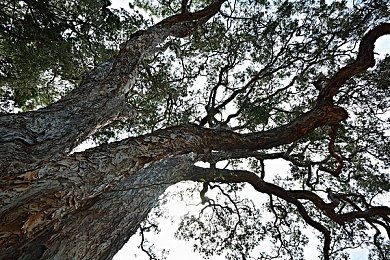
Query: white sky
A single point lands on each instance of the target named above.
(179, 249)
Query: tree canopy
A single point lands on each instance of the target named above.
(235, 81)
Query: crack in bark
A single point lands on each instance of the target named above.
(68, 183)
(100, 99)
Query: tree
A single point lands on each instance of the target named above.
(300, 90)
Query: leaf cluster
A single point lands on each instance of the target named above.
(48, 43)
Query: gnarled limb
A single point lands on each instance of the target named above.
(39, 195)
(364, 60)
(28, 139)
(72, 181)
(292, 196)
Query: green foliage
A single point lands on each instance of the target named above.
(272, 57)
(224, 227)
(41, 41)
(259, 63)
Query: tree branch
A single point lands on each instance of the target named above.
(28, 139)
(184, 8)
(229, 176)
(364, 60)
(292, 196)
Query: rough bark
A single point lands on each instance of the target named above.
(100, 228)
(28, 139)
(86, 205)
(42, 188)
(43, 197)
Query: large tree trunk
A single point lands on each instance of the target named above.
(100, 228)
(67, 207)
(86, 205)
(28, 139)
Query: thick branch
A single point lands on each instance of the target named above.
(27, 139)
(292, 196)
(110, 163)
(299, 127)
(382, 211)
(71, 182)
(229, 176)
(237, 176)
(364, 60)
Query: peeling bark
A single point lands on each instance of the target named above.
(99, 228)
(62, 187)
(36, 201)
(28, 139)
(86, 205)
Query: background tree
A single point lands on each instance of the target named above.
(212, 81)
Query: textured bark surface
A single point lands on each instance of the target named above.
(100, 228)
(49, 199)
(86, 205)
(28, 139)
